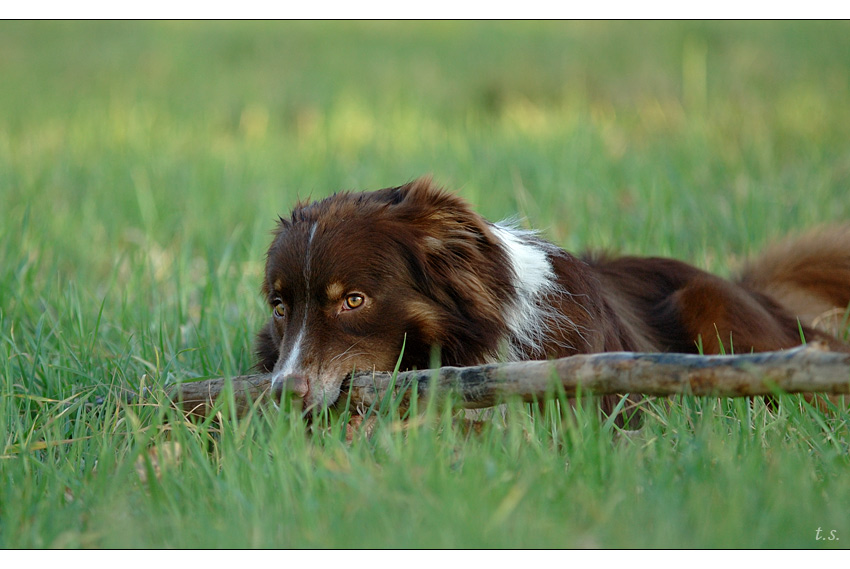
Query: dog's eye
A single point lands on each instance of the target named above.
(279, 310)
(354, 300)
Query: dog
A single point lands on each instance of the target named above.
(411, 275)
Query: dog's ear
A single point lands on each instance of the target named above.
(420, 190)
(424, 193)
(459, 260)
(440, 214)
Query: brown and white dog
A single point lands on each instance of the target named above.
(357, 280)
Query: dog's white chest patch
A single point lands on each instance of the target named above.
(532, 315)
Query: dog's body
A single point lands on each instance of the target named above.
(357, 279)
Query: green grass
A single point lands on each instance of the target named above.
(142, 167)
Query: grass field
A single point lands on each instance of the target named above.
(142, 167)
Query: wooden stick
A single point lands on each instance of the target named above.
(198, 397)
(806, 369)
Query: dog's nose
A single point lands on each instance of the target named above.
(297, 385)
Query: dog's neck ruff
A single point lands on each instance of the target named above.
(531, 318)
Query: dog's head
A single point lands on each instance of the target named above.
(352, 279)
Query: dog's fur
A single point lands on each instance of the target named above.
(357, 279)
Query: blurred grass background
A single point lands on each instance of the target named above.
(143, 164)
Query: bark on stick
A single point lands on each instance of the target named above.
(806, 369)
